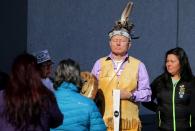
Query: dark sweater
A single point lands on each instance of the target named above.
(50, 118)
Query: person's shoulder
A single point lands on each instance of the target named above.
(85, 100)
(82, 100)
(100, 60)
(103, 58)
(131, 58)
(97, 61)
(192, 81)
(51, 79)
(159, 78)
(1, 93)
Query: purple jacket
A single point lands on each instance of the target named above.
(50, 118)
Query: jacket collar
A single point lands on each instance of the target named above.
(69, 86)
(125, 58)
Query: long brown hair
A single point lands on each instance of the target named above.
(25, 93)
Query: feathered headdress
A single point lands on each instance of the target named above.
(123, 26)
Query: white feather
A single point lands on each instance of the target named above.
(126, 12)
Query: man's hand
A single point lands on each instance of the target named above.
(124, 94)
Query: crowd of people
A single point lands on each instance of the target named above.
(27, 103)
(31, 100)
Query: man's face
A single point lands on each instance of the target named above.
(119, 45)
(46, 69)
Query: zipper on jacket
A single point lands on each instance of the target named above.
(159, 119)
(173, 101)
(190, 122)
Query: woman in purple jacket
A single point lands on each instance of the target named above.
(25, 104)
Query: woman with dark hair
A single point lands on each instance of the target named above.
(25, 104)
(80, 112)
(172, 91)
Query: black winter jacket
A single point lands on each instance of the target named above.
(172, 104)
